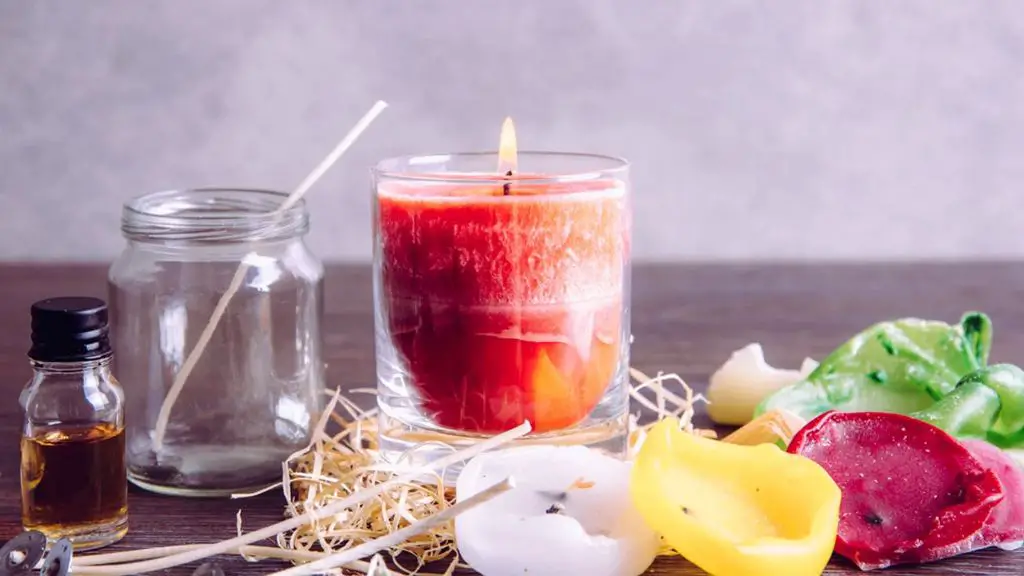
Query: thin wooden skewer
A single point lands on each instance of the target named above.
(236, 281)
(82, 564)
(377, 544)
(262, 552)
(311, 516)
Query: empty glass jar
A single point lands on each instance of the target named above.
(214, 408)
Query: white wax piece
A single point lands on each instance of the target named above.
(596, 531)
(739, 385)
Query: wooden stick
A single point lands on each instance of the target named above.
(376, 545)
(81, 564)
(262, 552)
(181, 377)
(311, 516)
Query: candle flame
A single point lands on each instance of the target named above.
(508, 157)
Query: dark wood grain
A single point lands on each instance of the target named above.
(686, 319)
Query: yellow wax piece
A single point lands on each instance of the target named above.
(736, 510)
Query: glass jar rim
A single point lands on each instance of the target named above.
(212, 214)
(402, 168)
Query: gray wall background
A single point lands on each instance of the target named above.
(757, 130)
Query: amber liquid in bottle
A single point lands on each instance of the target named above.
(73, 476)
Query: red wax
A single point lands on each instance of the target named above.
(505, 308)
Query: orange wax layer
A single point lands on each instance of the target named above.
(505, 308)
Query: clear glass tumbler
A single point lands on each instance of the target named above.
(221, 420)
(500, 299)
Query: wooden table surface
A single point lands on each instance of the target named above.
(686, 319)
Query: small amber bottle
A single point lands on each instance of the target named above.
(73, 476)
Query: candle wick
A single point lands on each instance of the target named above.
(555, 508)
(507, 188)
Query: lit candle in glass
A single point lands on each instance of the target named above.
(502, 288)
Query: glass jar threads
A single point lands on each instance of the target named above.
(216, 306)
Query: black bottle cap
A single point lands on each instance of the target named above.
(69, 329)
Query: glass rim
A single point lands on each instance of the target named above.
(388, 168)
(229, 213)
(142, 204)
